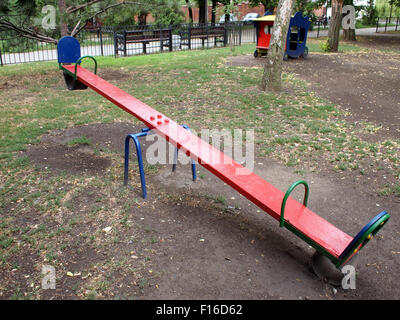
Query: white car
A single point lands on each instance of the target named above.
(250, 16)
(232, 17)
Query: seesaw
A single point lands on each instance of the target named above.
(325, 238)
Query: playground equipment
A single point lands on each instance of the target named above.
(135, 138)
(328, 240)
(296, 37)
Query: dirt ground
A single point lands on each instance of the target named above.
(203, 240)
(225, 250)
(382, 41)
(366, 83)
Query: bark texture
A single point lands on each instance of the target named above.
(63, 25)
(349, 35)
(334, 28)
(272, 76)
(190, 11)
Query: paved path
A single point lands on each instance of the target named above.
(359, 32)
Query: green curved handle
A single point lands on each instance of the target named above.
(288, 192)
(79, 61)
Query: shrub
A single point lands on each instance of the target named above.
(325, 46)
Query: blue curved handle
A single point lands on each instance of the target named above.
(364, 235)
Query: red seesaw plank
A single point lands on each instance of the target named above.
(253, 187)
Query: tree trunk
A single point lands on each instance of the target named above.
(214, 8)
(334, 28)
(142, 18)
(63, 25)
(349, 35)
(202, 12)
(190, 11)
(272, 77)
(227, 17)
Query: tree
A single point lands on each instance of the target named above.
(229, 7)
(213, 11)
(74, 15)
(19, 17)
(307, 7)
(334, 27)
(202, 11)
(371, 13)
(63, 25)
(167, 13)
(190, 10)
(395, 2)
(269, 5)
(272, 76)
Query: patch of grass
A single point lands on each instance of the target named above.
(18, 295)
(390, 190)
(82, 140)
(5, 241)
(91, 295)
(320, 45)
(220, 199)
(295, 128)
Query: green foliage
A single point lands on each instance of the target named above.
(385, 8)
(165, 12)
(269, 5)
(325, 46)
(18, 11)
(307, 7)
(395, 2)
(168, 13)
(120, 16)
(370, 15)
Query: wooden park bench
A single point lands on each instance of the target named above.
(202, 32)
(143, 36)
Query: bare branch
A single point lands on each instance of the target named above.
(27, 33)
(82, 6)
(85, 5)
(76, 26)
(75, 32)
(36, 35)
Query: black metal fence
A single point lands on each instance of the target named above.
(319, 23)
(385, 22)
(16, 49)
(129, 40)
